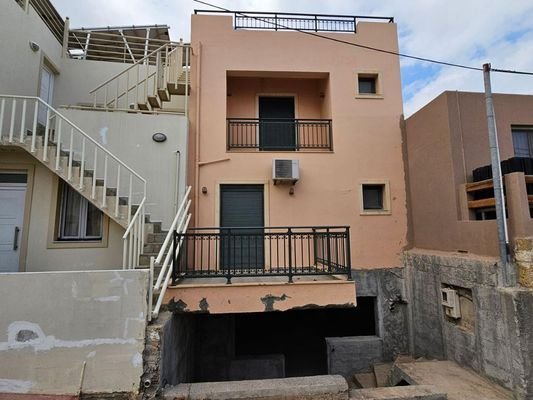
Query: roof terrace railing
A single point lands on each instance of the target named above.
(295, 21)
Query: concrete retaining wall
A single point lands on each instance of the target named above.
(52, 324)
(499, 344)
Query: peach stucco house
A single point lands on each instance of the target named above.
(330, 111)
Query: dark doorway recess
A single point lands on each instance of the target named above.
(277, 124)
(242, 206)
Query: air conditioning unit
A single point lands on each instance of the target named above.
(285, 171)
(450, 302)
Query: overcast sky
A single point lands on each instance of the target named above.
(461, 31)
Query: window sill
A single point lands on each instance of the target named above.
(77, 244)
(375, 212)
(370, 96)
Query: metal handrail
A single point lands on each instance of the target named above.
(198, 11)
(78, 129)
(135, 64)
(181, 224)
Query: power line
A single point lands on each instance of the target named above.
(424, 59)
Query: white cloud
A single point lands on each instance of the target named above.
(470, 32)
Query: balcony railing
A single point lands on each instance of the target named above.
(294, 21)
(261, 251)
(279, 134)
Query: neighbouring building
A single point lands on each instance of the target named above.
(93, 147)
(461, 309)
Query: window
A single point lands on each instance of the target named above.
(368, 84)
(78, 219)
(523, 142)
(375, 197)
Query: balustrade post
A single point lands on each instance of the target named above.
(289, 238)
(348, 254)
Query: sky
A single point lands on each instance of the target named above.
(470, 32)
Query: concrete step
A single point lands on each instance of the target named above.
(365, 380)
(156, 237)
(420, 392)
(382, 372)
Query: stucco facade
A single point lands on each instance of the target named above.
(446, 140)
(231, 69)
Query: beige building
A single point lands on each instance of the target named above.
(451, 192)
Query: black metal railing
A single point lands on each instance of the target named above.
(279, 134)
(295, 21)
(261, 251)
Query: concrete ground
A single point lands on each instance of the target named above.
(446, 376)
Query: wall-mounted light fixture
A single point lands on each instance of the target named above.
(159, 137)
(34, 46)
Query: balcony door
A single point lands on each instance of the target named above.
(276, 124)
(242, 206)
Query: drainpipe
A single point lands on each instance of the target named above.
(197, 141)
(505, 277)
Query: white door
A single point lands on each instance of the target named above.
(46, 92)
(12, 197)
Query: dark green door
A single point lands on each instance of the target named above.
(277, 124)
(241, 206)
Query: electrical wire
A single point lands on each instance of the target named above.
(423, 59)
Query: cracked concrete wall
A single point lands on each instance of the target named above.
(388, 286)
(501, 342)
(53, 323)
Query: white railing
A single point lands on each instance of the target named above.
(131, 88)
(179, 225)
(86, 165)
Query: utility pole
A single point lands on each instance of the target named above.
(505, 275)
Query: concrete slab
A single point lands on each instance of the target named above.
(323, 387)
(248, 295)
(365, 380)
(448, 377)
(420, 392)
(382, 373)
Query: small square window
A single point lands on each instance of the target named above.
(367, 84)
(373, 197)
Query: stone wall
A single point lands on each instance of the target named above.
(498, 344)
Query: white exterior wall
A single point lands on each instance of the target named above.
(52, 323)
(129, 137)
(19, 65)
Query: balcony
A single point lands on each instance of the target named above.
(254, 269)
(278, 134)
(259, 252)
(295, 21)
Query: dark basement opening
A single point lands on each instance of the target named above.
(274, 344)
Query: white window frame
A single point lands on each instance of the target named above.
(82, 215)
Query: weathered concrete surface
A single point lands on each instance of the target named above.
(499, 345)
(323, 387)
(387, 285)
(448, 377)
(418, 392)
(347, 355)
(256, 296)
(523, 254)
(52, 323)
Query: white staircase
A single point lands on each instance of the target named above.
(88, 167)
(148, 83)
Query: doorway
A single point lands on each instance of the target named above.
(242, 208)
(277, 126)
(46, 92)
(12, 199)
